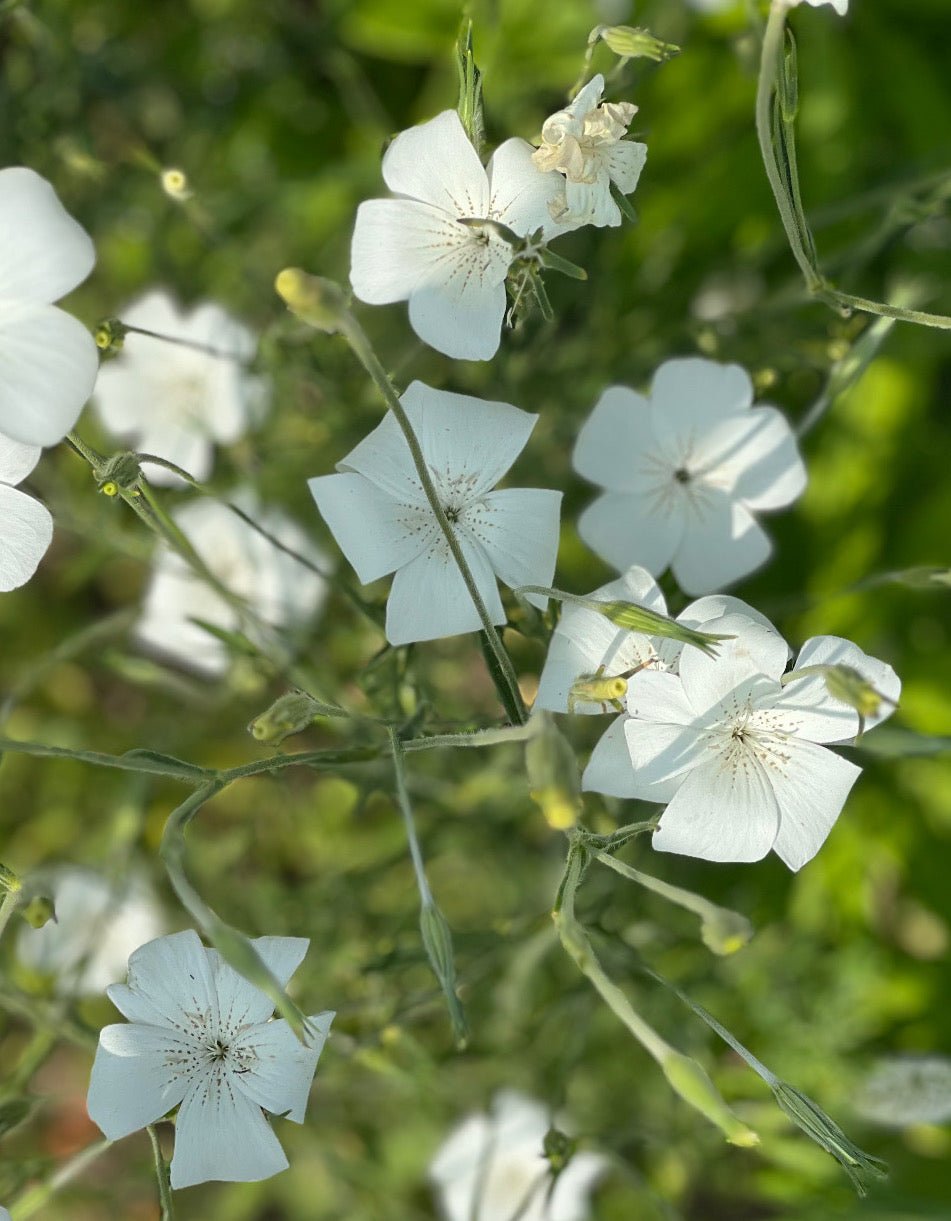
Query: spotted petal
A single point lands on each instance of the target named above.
(139, 1073)
(282, 1067)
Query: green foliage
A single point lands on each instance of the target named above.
(277, 114)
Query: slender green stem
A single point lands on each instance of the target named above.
(406, 809)
(363, 350)
(166, 1202)
(847, 302)
(37, 1197)
(206, 348)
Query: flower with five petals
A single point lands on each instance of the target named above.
(199, 1038)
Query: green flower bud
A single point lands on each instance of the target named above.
(110, 336)
(39, 911)
(289, 714)
(559, 1149)
(639, 619)
(437, 941)
(724, 931)
(120, 474)
(628, 42)
(553, 774)
(689, 1079)
(926, 576)
(817, 1125)
(319, 302)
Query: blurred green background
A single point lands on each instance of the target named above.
(278, 114)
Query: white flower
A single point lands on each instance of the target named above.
(587, 645)
(48, 360)
(98, 924)
(736, 755)
(276, 588)
(26, 528)
(198, 1035)
(382, 521)
(177, 401)
(585, 142)
(4, 1215)
(684, 471)
(903, 1090)
(415, 248)
(492, 1168)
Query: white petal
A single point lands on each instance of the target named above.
(659, 696)
(755, 458)
(520, 191)
(401, 246)
(16, 459)
(220, 1134)
(569, 1200)
(518, 529)
(26, 531)
(588, 97)
(429, 598)
(133, 1082)
(171, 984)
(376, 533)
(468, 443)
(615, 440)
(49, 363)
(44, 253)
(463, 321)
(625, 529)
(702, 611)
(435, 162)
(689, 396)
(821, 717)
(240, 1003)
(610, 769)
(625, 161)
(810, 792)
(748, 665)
(585, 641)
(659, 757)
(591, 203)
(721, 543)
(723, 811)
(280, 1079)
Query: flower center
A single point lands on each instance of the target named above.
(682, 475)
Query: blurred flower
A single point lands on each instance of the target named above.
(383, 522)
(198, 1035)
(99, 922)
(175, 400)
(585, 142)
(903, 1090)
(26, 528)
(276, 588)
(493, 1168)
(736, 756)
(4, 1215)
(840, 6)
(416, 247)
(49, 359)
(683, 472)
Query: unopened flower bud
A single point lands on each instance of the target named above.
(553, 774)
(437, 941)
(175, 184)
(925, 576)
(689, 1079)
(39, 911)
(317, 301)
(629, 42)
(848, 685)
(600, 689)
(558, 1148)
(811, 1118)
(289, 714)
(120, 474)
(110, 336)
(724, 931)
(639, 619)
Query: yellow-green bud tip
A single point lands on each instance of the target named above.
(689, 1079)
(175, 183)
(319, 302)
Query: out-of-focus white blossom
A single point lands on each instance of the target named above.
(178, 401)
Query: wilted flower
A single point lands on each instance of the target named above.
(418, 246)
(199, 1038)
(383, 522)
(98, 923)
(48, 358)
(26, 528)
(177, 400)
(493, 1168)
(684, 471)
(276, 588)
(737, 756)
(585, 142)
